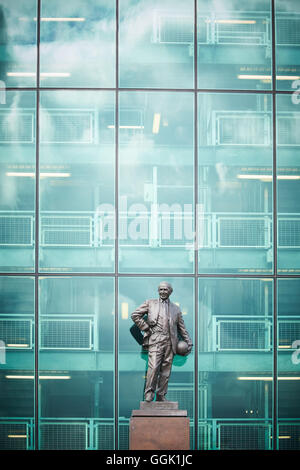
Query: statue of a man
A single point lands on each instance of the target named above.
(161, 327)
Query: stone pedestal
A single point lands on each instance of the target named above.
(159, 426)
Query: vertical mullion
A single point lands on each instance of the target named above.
(116, 336)
(274, 87)
(36, 246)
(196, 225)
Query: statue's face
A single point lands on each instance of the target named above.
(164, 291)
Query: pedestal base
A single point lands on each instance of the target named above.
(159, 426)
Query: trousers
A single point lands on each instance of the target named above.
(160, 358)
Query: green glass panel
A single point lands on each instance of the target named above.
(235, 183)
(133, 359)
(76, 363)
(17, 181)
(235, 364)
(77, 181)
(156, 179)
(288, 359)
(18, 50)
(287, 44)
(288, 183)
(156, 43)
(234, 44)
(77, 43)
(16, 363)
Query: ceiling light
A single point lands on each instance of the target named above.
(42, 74)
(268, 77)
(126, 127)
(48, 377)
(61, 19)
(231, 21)
(156, 123)
(42, 174)
(268, 378)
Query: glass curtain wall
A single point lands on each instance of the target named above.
(139, 142)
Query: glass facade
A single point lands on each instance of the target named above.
(139, 142)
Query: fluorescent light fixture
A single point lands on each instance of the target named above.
(17, 436)
(47, 377)
(284, 347)
(126, 127)
(231, 21)
(17, 345)
(156, 123)
(61, 19)
(42, 174)
(124, 310)
(268, 77)
(268, 378)
(268, 177)
(42, 74)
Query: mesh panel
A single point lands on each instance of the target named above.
(243, 436)
(13, 436)
(16, 332)
(184, 397)
(65, 334)
(16, 127)
(204, 436)
(241, 33)
(105, 436)
(242, 335)
(241, 130)
(67, 237)
(15, 230)
(288, 31)
(124, 436)
(288, 332)
(289, 436)
(177, 29)
(60, 436)
(242, 233)
(288, 233)
(66, 128)
(288, 130)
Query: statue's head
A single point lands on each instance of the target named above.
(165, 290)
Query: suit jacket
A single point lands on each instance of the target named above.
(176, 323)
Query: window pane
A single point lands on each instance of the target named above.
(234, 44)
(156, 43)
(287, 43)
(17, 181)
(78, 43)
(18, 43)
(288, 182)
(156, 182)
(16, 363)
(133, 359)
(288, 364)
(235, 364)
(76, 363)
(235, 183)
(77, 181)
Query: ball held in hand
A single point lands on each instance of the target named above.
(182, 348)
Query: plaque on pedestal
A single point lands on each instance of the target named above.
(159, 426)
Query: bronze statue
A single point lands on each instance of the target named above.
(162, 327)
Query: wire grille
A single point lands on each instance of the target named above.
(289, 331)
(14, 436)
(204, 436)
(288, 233)
(289, 436)
(242, 33)
(124, 436)
(63, 436)
(67, 128)
(66, 334)
(241, 232)
(243, 335)
(16, 332)
(288, 130)
(242, 130)
(176, 29)
(184, 397)
(288, 31)
(16, 127)
(105, 436)
(243, 436)
(15, 230)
